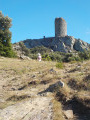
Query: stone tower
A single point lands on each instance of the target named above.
(60, 27)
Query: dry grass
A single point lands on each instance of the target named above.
(57, 109)
(22, 78)
(83, 97)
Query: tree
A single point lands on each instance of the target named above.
(5, 36)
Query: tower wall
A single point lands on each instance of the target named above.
(60, 27)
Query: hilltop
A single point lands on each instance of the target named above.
(60, 42)
(27, 90)
(67, 44)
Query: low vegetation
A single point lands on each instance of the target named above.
(50, 55)
(60, 65)
(21, 80)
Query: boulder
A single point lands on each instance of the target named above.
(69, 114)
(25, 57)
(55, 86)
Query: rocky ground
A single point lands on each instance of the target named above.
(26, 91)
(39, 108)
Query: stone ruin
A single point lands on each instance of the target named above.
(61, 42)
(60, 27)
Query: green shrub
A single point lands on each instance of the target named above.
(71, 59)
(46, 57)
(39, 49)
(33, 56)
(59, 65)
(56, 57)
(84, 55)
(24, 49)
(67, 57)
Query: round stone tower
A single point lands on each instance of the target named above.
(60, 27)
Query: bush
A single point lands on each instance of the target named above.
(71, 59)
(33, 56)
(59, 65)
(39, 49)
(56, 57)
(67, 57)
(24, 49)
(84, 55)
(46, 57)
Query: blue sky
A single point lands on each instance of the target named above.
(35, 18)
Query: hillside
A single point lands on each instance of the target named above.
(48, 54)
(67, 44)
(28, 91)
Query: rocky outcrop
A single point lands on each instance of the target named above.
(81, 45)
(63, 44)
(39, 108)
(47, 42)
(23, 57)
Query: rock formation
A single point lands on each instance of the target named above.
(61, 42)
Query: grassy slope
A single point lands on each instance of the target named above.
(18, 77)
